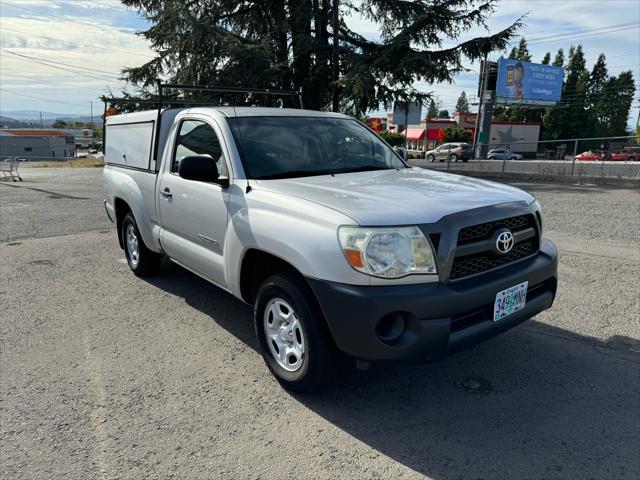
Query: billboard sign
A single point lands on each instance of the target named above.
(528, 83)
(407, 113)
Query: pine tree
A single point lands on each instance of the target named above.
(622, 90)
(463, 104)
(558, 61)
(568, 119)
(432, 110)
(523, 51)
(443, 114)
(597, 96)
(288, 43)
(547, 58)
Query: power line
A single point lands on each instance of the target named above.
(32, 60)
(584, 35)
(57, 63)
(581, 31)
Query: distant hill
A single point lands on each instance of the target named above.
(28, 118)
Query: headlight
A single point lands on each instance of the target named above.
(387, 252)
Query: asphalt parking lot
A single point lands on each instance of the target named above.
(104, 375)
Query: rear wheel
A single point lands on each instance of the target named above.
(453, 158)
(293, 336)
(141, 260)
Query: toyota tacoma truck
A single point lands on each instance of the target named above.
(343, 249)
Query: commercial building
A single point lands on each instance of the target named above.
(36, 144)
(518, 137)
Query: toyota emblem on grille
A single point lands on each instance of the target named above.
(504, 241)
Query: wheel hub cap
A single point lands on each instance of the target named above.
(133, 247)
(284, 335)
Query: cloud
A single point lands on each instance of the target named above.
(100, 35)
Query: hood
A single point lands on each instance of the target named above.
(396, 197)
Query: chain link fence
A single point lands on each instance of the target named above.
(601, 157)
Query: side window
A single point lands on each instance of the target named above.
(198, 138)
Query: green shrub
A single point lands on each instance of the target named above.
(392, 138)
(457, 134)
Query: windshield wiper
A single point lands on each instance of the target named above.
(294, 174)
(365, 168)
(313, 173)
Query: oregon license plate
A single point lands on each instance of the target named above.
(509, 301)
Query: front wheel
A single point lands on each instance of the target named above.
(141, 260)
(293, 336)
(491, 158)
(431, 158)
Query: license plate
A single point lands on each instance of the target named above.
(509, 301)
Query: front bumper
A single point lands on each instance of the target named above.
(439, 318)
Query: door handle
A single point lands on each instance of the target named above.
(166, 193)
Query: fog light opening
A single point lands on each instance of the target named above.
(390, 327)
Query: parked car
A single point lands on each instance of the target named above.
(627, 154)
(343, 249)
(502, 154)
(593, 155)
(451, 151)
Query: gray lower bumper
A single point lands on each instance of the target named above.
(439, 318)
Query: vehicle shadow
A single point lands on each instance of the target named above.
(537, 402)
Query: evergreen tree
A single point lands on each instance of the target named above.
(597, 95)
(288, 44)
(443, 114)
(558, 61)
(547, 58)
(463, 104)
(432, 109)
(523, 51)
(568, 119)
(622, 90)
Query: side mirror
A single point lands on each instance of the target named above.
(201, 168)
(402, 152)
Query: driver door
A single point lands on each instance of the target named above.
(193, 214)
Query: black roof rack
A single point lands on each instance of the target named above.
(161, 101)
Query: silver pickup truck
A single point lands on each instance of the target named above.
(344, 250)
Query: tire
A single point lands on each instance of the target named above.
(465, 160)
(142, 261)
(453, 158)
(491, 158)
(631, 159)
(431, 158)
(314, 363)
(512, 158)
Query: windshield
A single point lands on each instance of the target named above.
(287, 147)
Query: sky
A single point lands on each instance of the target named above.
(86, 43)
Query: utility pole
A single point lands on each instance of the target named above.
(485, 113)
(41, 123)
(334, 57)
(476, 132)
